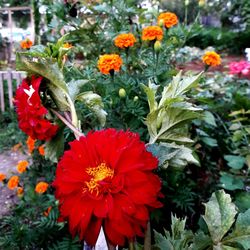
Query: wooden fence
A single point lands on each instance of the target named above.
(9, 88)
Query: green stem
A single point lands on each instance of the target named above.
(154, 60)
(131, 245)
(76, 132)
(74, 119)
(147, 240)
(186, 10)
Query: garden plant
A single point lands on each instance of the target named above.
(122, 142)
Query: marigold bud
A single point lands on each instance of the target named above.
(157, 46)
(161, 23)
(19, 192)
(136, 98)
(122, 93)
(2, 177)
(201, 3)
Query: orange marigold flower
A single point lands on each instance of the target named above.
(30, 144)
(2, 177)
(125, 40)
(22, 166)
(41, 187)
(20, 192)
(152, 33)
(26, 44)
(17, 146)
(46, 213)
(211, 58)
(169, 19)
(41, 150)
(67, 45)
(109, 62)
(13, 182)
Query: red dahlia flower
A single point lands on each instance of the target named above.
(106, 179)
(30, 111)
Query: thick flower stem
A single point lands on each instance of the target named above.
(76, 132)
(131, 245)
(147, 240)
(74, 118)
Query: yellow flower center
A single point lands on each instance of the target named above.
(98, 174)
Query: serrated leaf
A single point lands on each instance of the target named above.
(171, 118)
(95, 104)
(180, 239)
(179, 86)
(54, 148)
(234, 161)
(150, 92)
(171, 154)
(74, 87)
(209, 118)
(219, 215)
(172, 112)
(241, 232)
(201, 241)
(162, 242)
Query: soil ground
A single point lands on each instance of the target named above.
(8, 162)
(198, 65)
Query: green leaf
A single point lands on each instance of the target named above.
(167, 119)
(234, 161)
(46, 67)
(55, 147)
(235, 126)
(201, 241)
(237, 112)
(59, 98)
(170, 119)
(171, 154)
(241, 232)
(247, 130)
(242, 200)
(74, 87)
(162, 242)
(150, 91)
(219, 215)
(179, 86)
(209, 141)
(94, 103)
(180, 239)
(209, 118)
(173, 118)
(231, 182)
(248, 160)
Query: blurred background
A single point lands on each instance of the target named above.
(223, 24)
